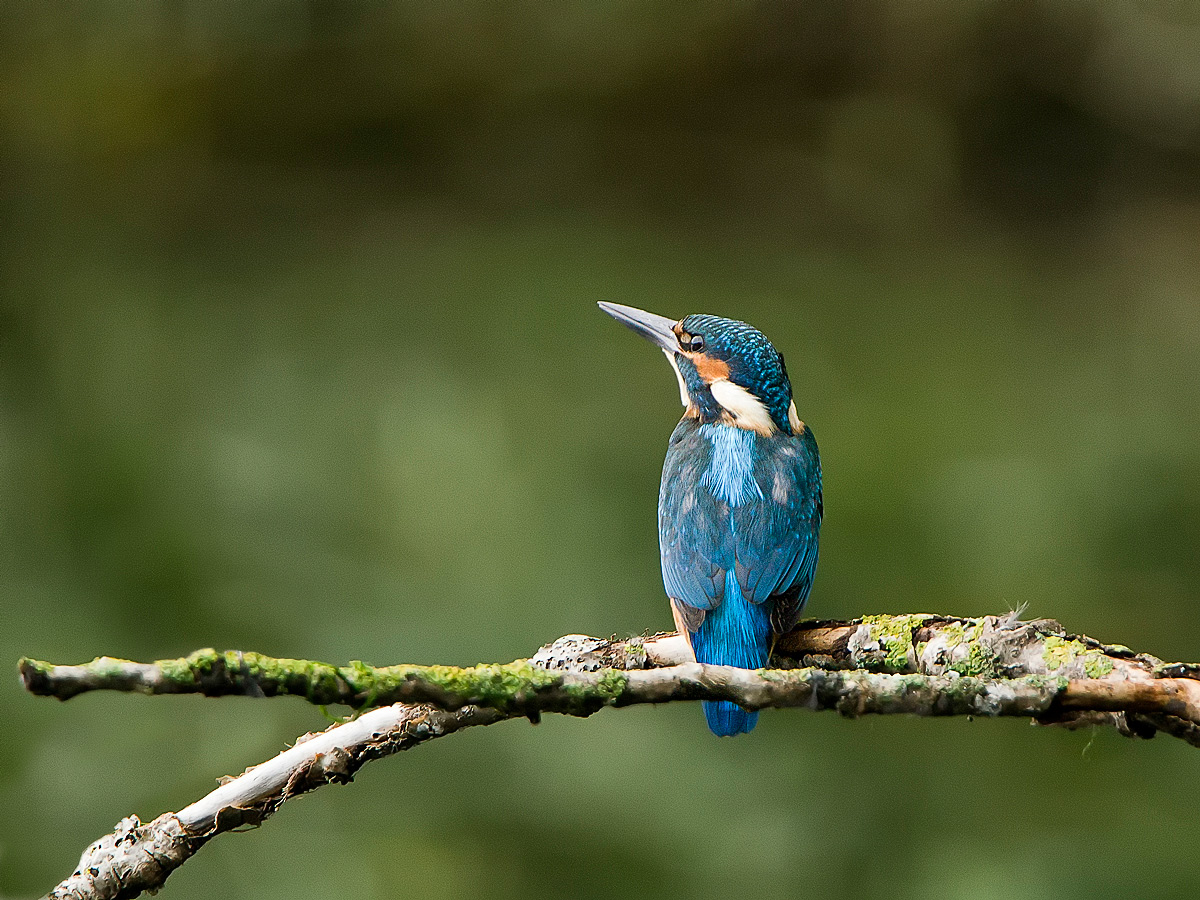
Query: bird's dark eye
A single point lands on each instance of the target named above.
(694, 343)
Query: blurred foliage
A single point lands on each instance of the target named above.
(299, 353)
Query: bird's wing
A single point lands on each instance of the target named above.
(695, 540)
(770, 541)
(776, 537)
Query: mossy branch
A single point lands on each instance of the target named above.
(956, 663)
(917, 664)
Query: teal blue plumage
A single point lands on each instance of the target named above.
(738, 520)
(740, 504)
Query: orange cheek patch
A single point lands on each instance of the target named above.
(710, 369)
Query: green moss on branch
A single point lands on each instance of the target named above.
(927, 664)
(517, 687)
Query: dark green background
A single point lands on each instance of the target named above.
(299, 353)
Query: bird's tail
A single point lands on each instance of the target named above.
(736, 633)
(726, 719)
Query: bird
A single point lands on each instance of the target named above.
(740, 502)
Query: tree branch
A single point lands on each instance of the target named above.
(138, 857)
(917, 664)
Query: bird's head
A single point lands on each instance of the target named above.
(728, 371)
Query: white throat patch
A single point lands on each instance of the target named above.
(683, 394)
(747, 410)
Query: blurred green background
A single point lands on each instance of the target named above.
(299, 353)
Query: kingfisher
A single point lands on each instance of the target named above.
(739, 506)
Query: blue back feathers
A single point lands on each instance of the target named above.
(739, 515)
(737, 632)
(730, 474)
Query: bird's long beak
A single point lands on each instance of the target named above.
(653, 328)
